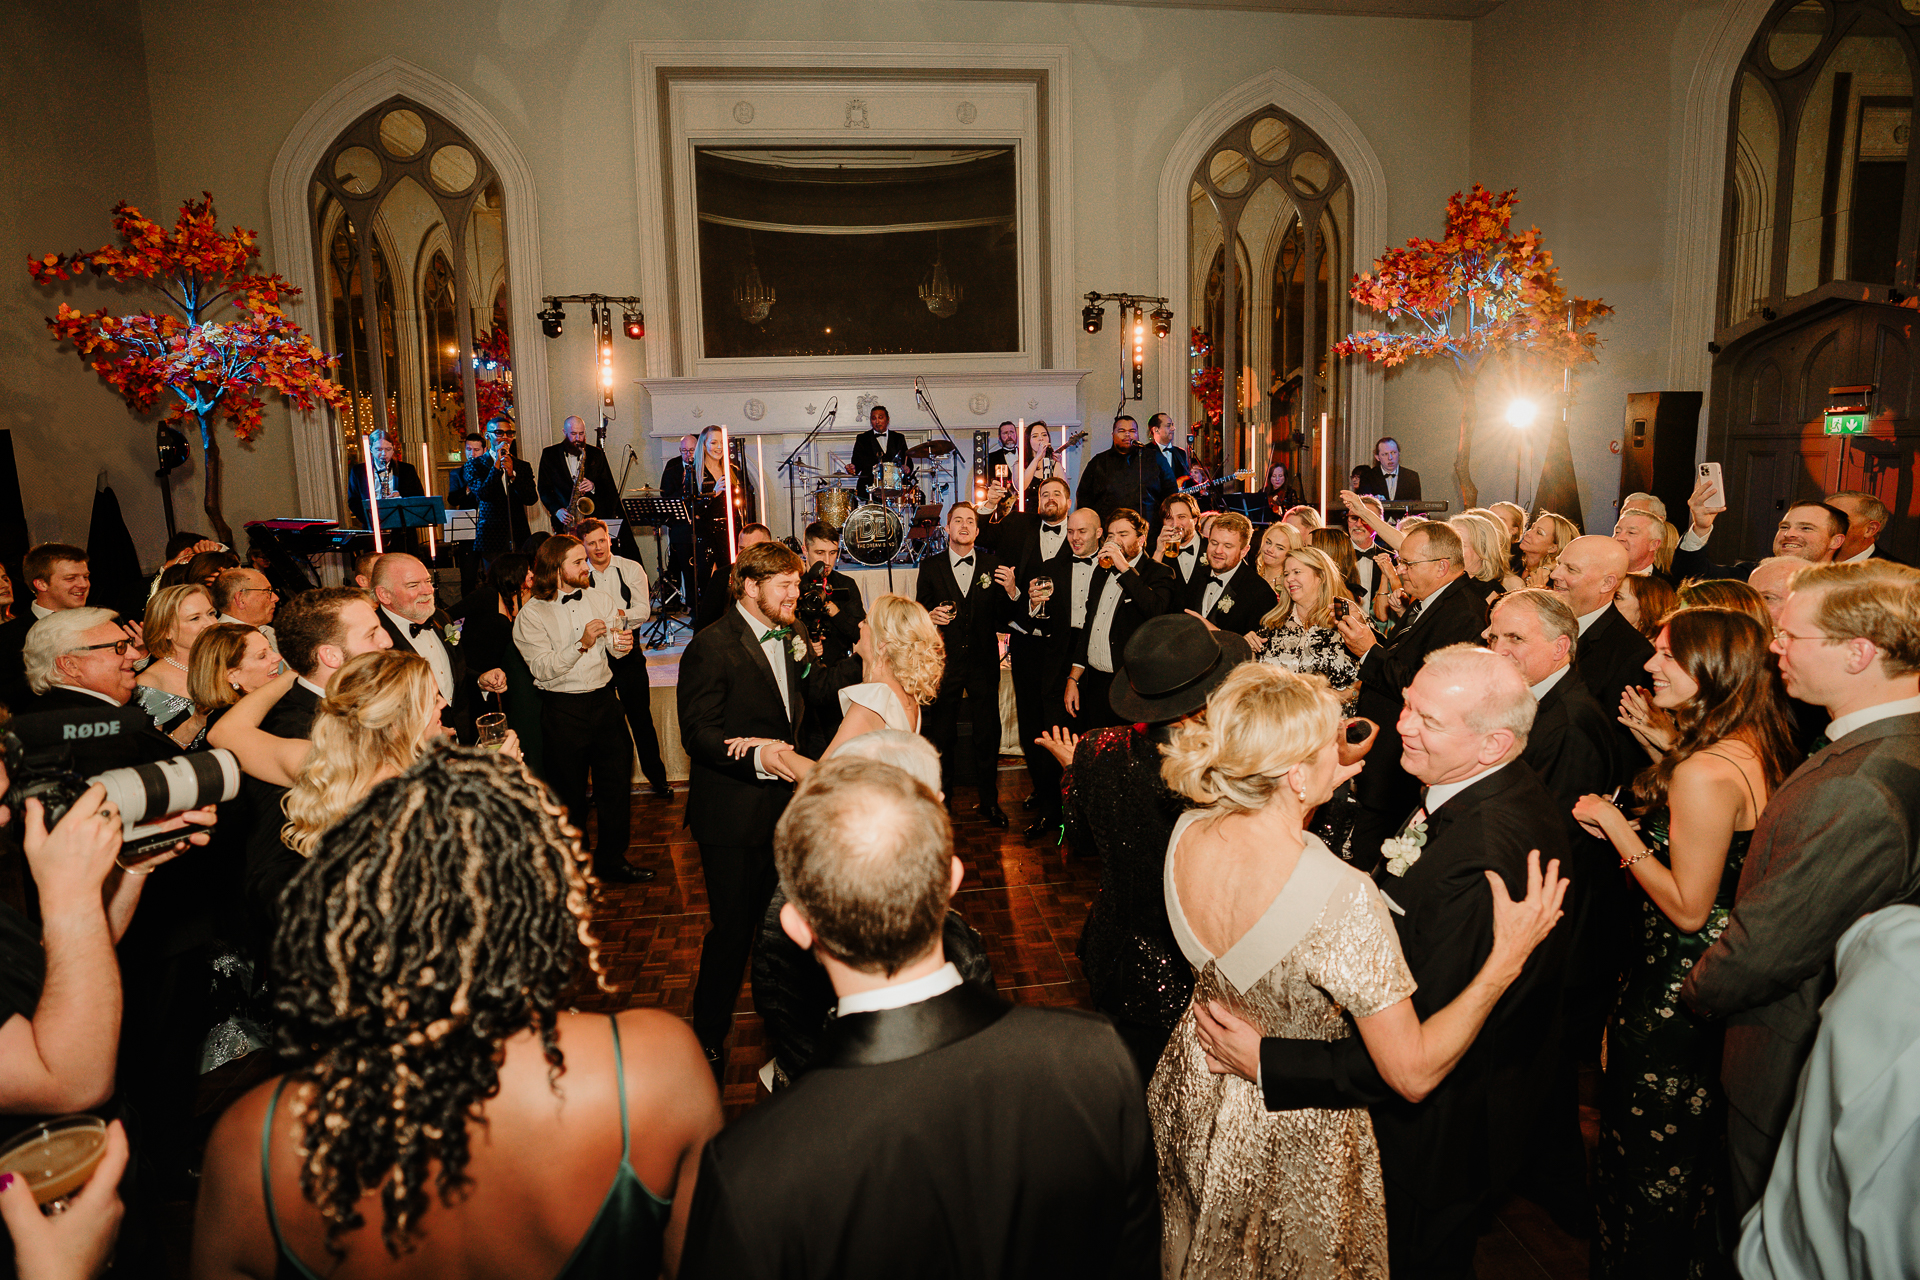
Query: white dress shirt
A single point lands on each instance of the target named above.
(1441, 792)
(1100, 638)
(547, 634)
(964, 574)
(1588, 619)
(1862, 558)
(310, 686)
(775, 649)
(1216, 587)
(1390, 481)
(1847, 723)
(41, 611)
(1051, 536)
(1188, 559)
(1079, 588)
(429, 646)
(1545, 687)
(899, 996)
(633, 575)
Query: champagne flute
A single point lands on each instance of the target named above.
(56, 1157)
(1039, 591)
(492, 730)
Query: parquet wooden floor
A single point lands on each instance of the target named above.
(1027, 898)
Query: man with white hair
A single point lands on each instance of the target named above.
(1447, 1159)
(1641, 533)
(1867, 519)
(82, 660)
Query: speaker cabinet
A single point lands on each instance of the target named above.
(1657, 447)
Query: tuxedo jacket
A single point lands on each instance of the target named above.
(15, 694)
(269, 864)
(1838, 839)
(1146, 591)
(1039, 647)
(1575, 748)
(867, 455)
(955, 1139)
(1458, 614)
(555, 482)
(972, 638)
(728, 690)
(1138, 479)
(1467, 1138)
(1698, 564)
(405, 479)
(459, 713)
(502, 500)
(1250, 596)
(1181, 468)
(1373, 481)
(842, 631)
(1612, 656)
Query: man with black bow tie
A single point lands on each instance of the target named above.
(626, 581)
(561, 468)
(1179, 545)
(875, 447)
(939, 1130)
(403, 587)
(1128, 588)
(567, 634)
(1228, 595)
(958, 592)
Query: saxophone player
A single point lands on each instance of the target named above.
(576, 464)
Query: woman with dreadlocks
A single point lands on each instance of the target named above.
(437, 1089)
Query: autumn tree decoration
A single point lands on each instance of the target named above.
(228, 342)
(493, 375)
(1480, 292)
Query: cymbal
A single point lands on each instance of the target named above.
(932, 449)
(798, 465)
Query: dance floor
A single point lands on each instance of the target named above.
(1027, 899)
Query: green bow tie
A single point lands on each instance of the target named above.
(775, 633)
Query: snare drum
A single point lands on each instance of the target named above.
(890, 477)
(832, 504)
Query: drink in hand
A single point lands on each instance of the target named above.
(491, 731)
(57, 1157)
(1039, 591)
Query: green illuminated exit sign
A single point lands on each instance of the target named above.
(1846, 422)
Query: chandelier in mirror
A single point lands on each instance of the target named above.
(938, 290)
(751, 297)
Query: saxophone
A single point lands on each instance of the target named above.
(579, 505)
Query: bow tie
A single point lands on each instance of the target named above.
(570, 598)
(1049, 528)
(775, 633)
(414, 629)
(1221, 578)
(1083, 559)
(964, 560)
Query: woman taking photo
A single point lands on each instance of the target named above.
(1298, 634)
(444, 1117)
(1247, 1192)
(1660, 1095)
(174, 620)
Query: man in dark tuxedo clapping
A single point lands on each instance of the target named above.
(958, 591)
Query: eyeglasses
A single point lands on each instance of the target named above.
(119, 647)
(1784, 637)
(1408, 564)
(244, 591)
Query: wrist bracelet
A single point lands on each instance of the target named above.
(1627, 860)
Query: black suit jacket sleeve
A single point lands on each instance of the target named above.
(704, 690)
(1148, 586)
(1454, 622)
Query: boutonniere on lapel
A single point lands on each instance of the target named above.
(797, 648)
(1224, 602)
(451, 632)
(1403, 850)
(985, 580)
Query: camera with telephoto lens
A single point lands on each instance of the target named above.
(812, 607)
(41, 750)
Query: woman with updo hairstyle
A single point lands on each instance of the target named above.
(441, 1114)
(1660, 1095)
(1483, 543)
(1283, 935)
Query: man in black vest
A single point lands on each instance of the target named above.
(626, 581)
(945, 1132)
(957, 589)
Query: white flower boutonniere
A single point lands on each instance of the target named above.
(797, 647)
(1225, 602)
(1403, 850)
(451, 632)
(986, 580)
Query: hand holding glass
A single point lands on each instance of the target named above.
(492, 731)
(1039, 591)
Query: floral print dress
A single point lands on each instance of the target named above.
(1660, 1101)
(1309, 651)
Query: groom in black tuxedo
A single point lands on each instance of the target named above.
(742, 677)
(939, 1130)
(957, 588)
(1446, 1159)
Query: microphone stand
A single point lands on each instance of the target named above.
(789, 465)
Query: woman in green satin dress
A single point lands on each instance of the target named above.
(1660, 1120)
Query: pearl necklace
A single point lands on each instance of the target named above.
(178, 666)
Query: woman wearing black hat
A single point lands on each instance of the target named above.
(1117, 807)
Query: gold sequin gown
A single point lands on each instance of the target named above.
(1249, 1192)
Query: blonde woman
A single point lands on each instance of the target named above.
(1485, 552)
(1270, 558)
(1283, 935)
(174, 620)
(901, 661)
(1541, 545)
(1298, 634)
(1513, 515)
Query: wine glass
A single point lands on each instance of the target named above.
(492, 731)
(1039, 591)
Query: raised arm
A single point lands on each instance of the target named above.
(1382, 530)
(264, 756)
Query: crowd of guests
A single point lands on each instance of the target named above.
(1401, 826)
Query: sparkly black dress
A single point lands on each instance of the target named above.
(1117, 808)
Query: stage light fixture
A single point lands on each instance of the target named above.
(552, 320)
(1162, 321)
(635, 323)
(1092, 316)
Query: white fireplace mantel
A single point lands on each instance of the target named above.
(789, 404)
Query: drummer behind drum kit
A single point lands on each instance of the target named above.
(899, 525)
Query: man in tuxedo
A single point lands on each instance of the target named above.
(1867, 518)
(957, 589)
(716, 594)
(1128, 587)
(945, 1132)
(81, 659)
(1029, 545)
(561, 466)
(1640, 533)
(1813, 531)
(1172, 456)
(57, 576)
(1365, 548)
(1386, 478)
(403, 588)
(393, 477)
(741, 677)
(1178, 545)
(247, 597)
(1446, 1160)
(458, 498)
(1229, 594)
(875, 447)
(1127, 475)
(1612, 655)
(625, 581)
(502, 487)
(677, 480)
(1006, 454)
(1444, 611)
(1837, 840)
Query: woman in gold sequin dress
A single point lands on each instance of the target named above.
(1283, 934)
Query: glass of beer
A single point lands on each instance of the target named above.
(1039, 591)
(56, 1157)
(492, 729)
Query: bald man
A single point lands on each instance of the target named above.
(1612, 655)
(561, 465)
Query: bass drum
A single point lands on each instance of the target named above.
(872, 535)
(832, 504)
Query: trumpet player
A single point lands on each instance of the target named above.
(575, 469)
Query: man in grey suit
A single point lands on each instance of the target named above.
(1838, 839)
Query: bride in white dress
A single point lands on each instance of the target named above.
(901, 658)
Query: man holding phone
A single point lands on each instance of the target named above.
(1812, 531)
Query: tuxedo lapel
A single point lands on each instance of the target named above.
(750, 639)
(893, 1035)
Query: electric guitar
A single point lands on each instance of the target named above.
(1188, 490)
(1007, 499)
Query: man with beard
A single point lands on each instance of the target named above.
(404, 590)
(742, 706)
(1125, 475)
(956, 587)
(563, 465)
(567, 635)
(1178, 545)
(1811, 531)
(1228, 594)
(1128, 587)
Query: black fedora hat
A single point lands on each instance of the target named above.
(1170, 665)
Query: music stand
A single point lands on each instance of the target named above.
(412, 513)
(649, 508)
(1251, 505)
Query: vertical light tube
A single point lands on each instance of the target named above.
(426, 483)
(726, 471)
(1020, 468)
(1326, 460)
(373, 497)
